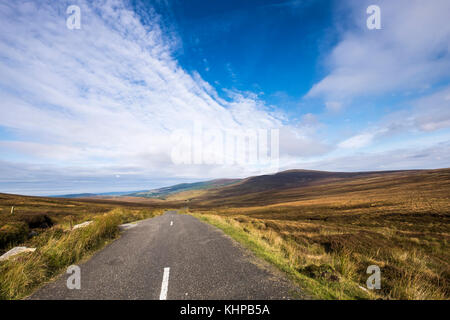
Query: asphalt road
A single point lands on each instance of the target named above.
(173, 257)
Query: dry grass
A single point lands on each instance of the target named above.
(37, 214)
(331, 233)
(59, 247)
(324, 235)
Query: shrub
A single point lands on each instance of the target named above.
(37, 220)
(12, 233)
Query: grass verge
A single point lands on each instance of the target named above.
(60, 247)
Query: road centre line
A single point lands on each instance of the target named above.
(165, 284)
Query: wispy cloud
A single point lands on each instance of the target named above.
(426, 157)
(107, 96)
(408, 58)
(410, 52)
(425, 115)
(96, 107)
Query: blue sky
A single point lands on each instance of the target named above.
(96, 109)
(267, 46)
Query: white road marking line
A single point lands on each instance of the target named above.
(171, 223)
(165, 284)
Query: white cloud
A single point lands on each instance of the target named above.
(408, 57)
(333, 105)
(432, 112)
(109, 95)
(425, 115)
(89, 105)
(410, 52)
(401, 158)
(358, 141)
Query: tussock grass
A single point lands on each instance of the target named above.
(58, 248)
(287, 256)
(330, 261)
(326, 233)
(13, 232)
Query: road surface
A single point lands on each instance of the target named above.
(175, 257)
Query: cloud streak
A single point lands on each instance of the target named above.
(109, 95)
(97, 107)
(410, 52)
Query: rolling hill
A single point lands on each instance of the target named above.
(297, 185)
(324, 228)
(93, 195)
(183, 187)
(330, 227)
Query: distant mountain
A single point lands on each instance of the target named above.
(90, 195)
(166, 191)
(281, 186)
(230, 188)
(75, 195)
(252, 189)
(284, 180)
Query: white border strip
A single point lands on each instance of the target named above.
(165, 284)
